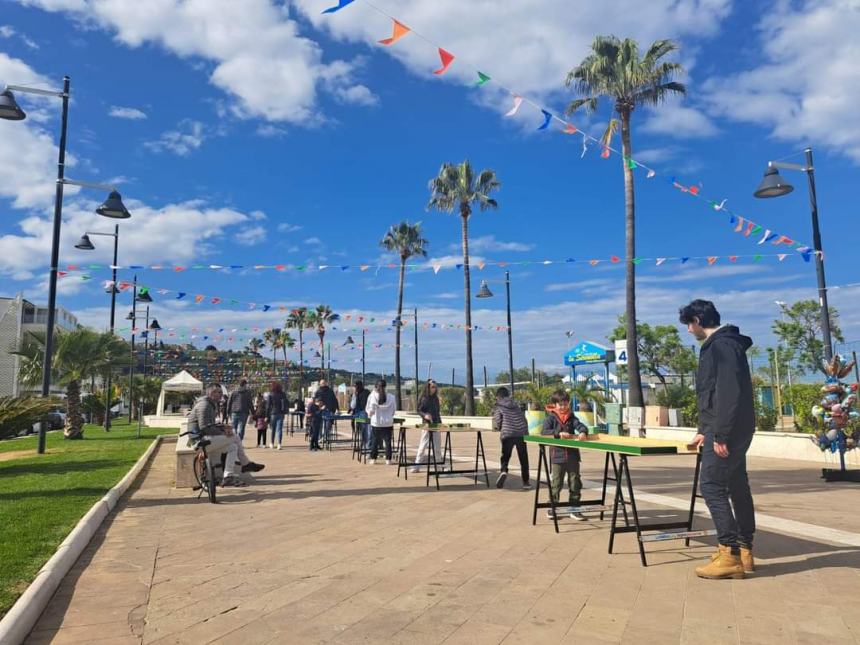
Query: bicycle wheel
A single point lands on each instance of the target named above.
(200, 471)
(210, 481)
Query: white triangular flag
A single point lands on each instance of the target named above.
(518, 101)
(765, 236)
(436, 268)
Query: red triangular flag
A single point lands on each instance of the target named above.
(447, 59)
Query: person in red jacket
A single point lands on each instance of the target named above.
(562, 423)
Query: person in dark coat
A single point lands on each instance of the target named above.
(329, 400)
(724, 396)
(562, 423)
(430, 411)
(510, 421)
(239, 406)
(358, 408)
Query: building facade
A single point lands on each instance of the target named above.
(18, 318)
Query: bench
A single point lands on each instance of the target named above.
(184, 465)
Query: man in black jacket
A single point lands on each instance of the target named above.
(726, 424)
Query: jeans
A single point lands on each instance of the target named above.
(424, 447)
(239, 420)
(276, 421)
(367, 434)
(726, 479)
(381, 435)
(574, 481)
(508, 444)
(221, 443)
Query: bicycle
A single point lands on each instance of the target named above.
(204, 469)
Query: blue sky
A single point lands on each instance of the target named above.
(256, 132)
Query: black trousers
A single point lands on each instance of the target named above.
(381, 435)
(261, 436)
(726, 489)
(508, 444)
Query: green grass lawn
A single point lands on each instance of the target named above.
(42, 497)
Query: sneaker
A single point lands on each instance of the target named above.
(415, 469)
(576, 515)
(500, 482)
(279, 446)
(388, 462)
(550, 514)
(252, 467)
(527, 486)
(231, 481)
(371, 461)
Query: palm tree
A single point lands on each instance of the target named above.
(614, 70)
(253, 348)
(319, 318)
(298, 319)
(272, 338)
(406, 240)
(456, 187)
(285, 342)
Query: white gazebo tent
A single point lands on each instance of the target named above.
(182, 382)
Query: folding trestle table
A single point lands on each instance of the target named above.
(618, 450)
(330, 435)
(433, 464)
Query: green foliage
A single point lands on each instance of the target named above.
(18, 414)
(691, 413)
(485, 404)
(676, 396)
(802, 396)
(660, 349)
(801, 334)
(537, 398)
(452, 400)
(522, 374)
(765, 417)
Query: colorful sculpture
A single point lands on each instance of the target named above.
(834, 414)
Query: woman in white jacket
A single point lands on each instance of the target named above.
(380, 408)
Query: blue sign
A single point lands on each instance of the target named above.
(588, 353)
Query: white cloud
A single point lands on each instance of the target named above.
(286, 227)
(313, 240)
(271, 131)
(188, 136)
(8, 31)
(447, 295)
(679, 121)
(357, 95)
(251, 236)
(489, 243)
(808, 84)
(133, 114)
(259, 57)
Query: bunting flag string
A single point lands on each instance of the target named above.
(71, 269)
(400, 30)
(565, 126)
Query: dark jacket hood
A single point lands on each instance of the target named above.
(508, 403)
(731, 334)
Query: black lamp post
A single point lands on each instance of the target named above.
(484, 292)
(773, 185)
(86, 245)
(11, 111)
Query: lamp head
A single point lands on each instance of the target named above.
(84, 243)
(349, 341)
(143, 296)
(9, 108)
(484, 291)
(772, 185)
(113, 207)
(154, 326)
(130, 315)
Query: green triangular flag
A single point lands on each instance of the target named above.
(482, 78)
(756, 258)
(631, 164)
(637, 260)
(755, 230)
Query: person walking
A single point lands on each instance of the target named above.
(511, 423)
(429, 408)
(380, 407)
(276, 408)
(239, 406)
(358, 408)
(724, 397)
(261, 421)
(329, 401)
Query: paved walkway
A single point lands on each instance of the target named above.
(325, 550)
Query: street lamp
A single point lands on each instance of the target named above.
(773, 185)
(484, 292)
(84, 244)
(11, 111)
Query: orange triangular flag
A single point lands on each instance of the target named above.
(400, 30)
(447, 59)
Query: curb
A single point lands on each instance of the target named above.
(21, 618)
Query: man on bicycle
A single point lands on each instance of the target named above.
(202, 422)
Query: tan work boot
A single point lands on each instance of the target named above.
(746, 557)
(725, 565)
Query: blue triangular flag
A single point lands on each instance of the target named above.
(180, 295)
(340, 5)
(547, 118)
(684, 260)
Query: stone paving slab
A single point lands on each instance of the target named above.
(323, 549)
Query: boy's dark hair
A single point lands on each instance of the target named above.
(560, 395)
(701, 311)
(502, 393)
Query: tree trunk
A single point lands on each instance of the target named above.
(634, 391)
(286, 371)
(322, 353)
(301, 361)
(397, 391)
(467, 287)
(74, 421)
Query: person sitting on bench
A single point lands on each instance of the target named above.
(202, 423)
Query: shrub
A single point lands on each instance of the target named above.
(452, 400)
(802, 397)
(676, 396)
(765, 417)
(18, 414)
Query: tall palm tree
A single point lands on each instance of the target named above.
(457, 187)
(285, 342)
(404, 239)
(272, 338)
(615, 70)
(253, 348)
(318, 319)
(298, 319)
